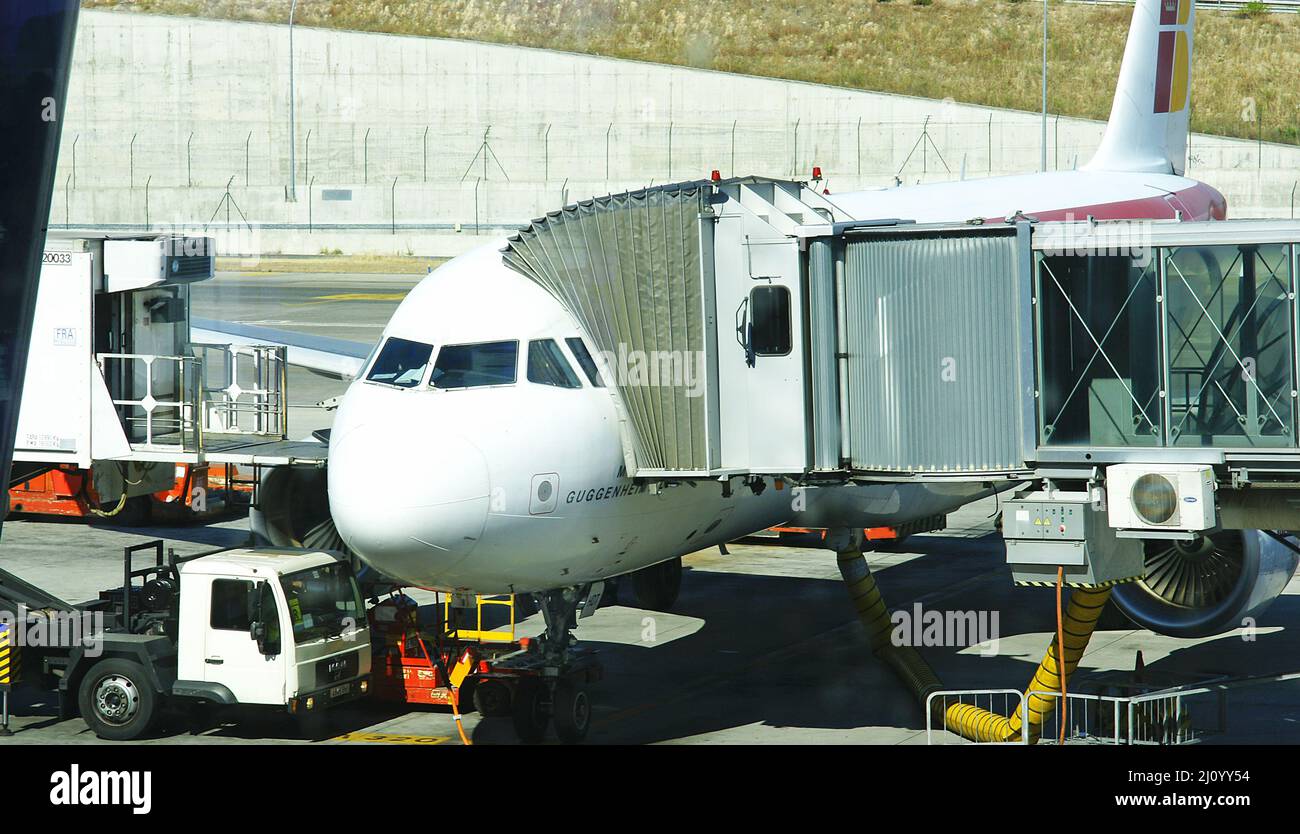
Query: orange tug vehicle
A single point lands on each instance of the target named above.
(69, 491)
(490, 670)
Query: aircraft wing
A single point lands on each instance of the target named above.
(335, 358)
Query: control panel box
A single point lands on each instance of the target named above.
(1044, 531)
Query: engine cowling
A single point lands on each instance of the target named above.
(1209, 585)
(292, 508)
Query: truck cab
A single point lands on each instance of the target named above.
(275, 627)
(271, 626)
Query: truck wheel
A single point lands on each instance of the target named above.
(657, 586)
(572, 712)
(117, 700)
(491, 699)
(529, 711)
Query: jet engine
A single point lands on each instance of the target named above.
(293, 510)
(1210, 584)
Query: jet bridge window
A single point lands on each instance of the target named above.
(475, 366)
(547, 365)
(401, 363)
(580, 352)
(1099, 351)
(769, 310)
(1228, 316)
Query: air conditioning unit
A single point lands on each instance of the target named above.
(1160, 496)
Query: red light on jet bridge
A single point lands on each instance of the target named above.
(817, 173)
(716, 176)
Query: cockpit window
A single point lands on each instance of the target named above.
(547, 365)
(588, 365)
(401, 363)
(472, 366)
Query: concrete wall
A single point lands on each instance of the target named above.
(167, 113)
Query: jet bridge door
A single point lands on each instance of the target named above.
(762, 401)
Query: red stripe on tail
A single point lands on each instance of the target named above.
(1164, 71)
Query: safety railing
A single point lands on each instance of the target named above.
(243, 389)
(156, 398)
(997, 701)
(456, 605)
(169, 403)
(1168, 716)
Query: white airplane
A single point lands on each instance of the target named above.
(484, 393)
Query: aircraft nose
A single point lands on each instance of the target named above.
(412, 504)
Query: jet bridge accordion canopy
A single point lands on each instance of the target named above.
(628, 268)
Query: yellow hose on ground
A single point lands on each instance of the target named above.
(969, 721)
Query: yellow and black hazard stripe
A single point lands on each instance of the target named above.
(10, 658)
(1110, 583)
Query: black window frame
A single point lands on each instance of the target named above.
(379, 355)
(789, 320)
(563, 365)
(593, 372)
(245, 596)
(514, 378)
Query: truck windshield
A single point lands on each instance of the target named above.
(323, 601)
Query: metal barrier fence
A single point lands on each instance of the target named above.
(1161, 716)
(950, 142)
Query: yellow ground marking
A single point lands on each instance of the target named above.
(362, 296)
(390, 738)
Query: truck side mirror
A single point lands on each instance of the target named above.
(255, 603)
(263, 619)
(256, 622)
(257, 631)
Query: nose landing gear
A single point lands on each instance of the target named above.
(548, 678)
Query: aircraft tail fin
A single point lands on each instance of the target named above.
(1147, 130)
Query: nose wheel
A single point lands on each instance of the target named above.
(549, 682)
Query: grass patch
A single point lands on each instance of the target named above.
(978, 51)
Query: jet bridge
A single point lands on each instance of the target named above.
(751, 327)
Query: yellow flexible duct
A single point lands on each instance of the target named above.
(1081, 615)
(964, 719)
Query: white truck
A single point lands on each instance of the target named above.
(275, 627)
